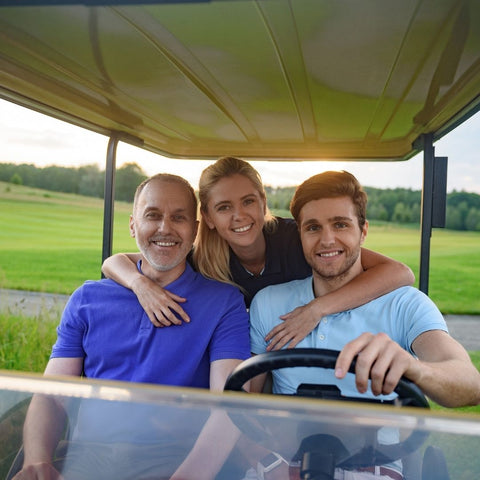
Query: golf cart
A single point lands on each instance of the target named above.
(276, 80)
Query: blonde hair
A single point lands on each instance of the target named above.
(211, 253)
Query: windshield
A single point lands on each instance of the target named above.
(133, 426)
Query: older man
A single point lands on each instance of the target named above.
(105, 334)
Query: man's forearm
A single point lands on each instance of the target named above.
(44, 426)
(212, 448)
(451, 383)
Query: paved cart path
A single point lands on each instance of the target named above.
(19, 302)
(465, 328)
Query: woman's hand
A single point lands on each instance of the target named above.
(382, 275)
(296, 325)
(161, 306)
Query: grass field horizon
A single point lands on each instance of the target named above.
(52, 242)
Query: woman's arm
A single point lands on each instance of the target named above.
(159, 304)
(122, 267)
(381, 275)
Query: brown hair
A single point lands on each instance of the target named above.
(212, 253)
(330, 185)
(170, 178)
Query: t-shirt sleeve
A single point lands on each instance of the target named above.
(423, 316)
(230, 339)
(70, 331)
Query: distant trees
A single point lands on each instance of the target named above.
(126, 181)
(279, 198)
(87, 180)
(16, 179)
(399, 205)
(463, 211)
(91, 181)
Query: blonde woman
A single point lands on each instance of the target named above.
(242, 243)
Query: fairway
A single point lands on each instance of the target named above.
(52, 242)
(454, 263)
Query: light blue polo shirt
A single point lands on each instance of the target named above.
(402, 314)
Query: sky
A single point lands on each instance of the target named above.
(30, 137)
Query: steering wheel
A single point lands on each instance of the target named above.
(371, 454)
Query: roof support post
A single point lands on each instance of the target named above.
(427, 208)
(434, 201)
(109, 197)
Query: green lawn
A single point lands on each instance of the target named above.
(26, 342)
(52, 242)
(454, 263)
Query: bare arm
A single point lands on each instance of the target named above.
(257, 383)
(44, 425)
(252, 451)
(42, 431)
(219, 372)
(443, 369)
(158, 303)
(381, 275)
(448, 376)
(218, 436)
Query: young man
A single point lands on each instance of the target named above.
(105, 334)
(400, 334)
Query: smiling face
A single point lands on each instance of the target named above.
(236, 209)
(331, 239)
(164, 226)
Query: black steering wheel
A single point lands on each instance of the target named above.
(372, 453)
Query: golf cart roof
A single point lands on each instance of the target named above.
(266, 79)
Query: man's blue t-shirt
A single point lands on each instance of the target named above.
(402, 314)
(105, 324)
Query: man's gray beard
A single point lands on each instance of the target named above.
(161, 268)
(155, 266)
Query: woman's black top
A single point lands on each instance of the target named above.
(284, 260)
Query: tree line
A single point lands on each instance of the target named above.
(398, 205)
(87, 180)
(401, 205)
